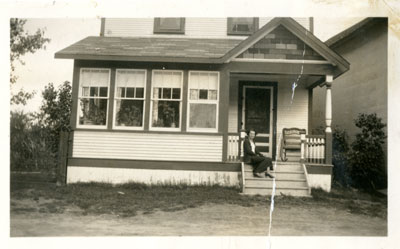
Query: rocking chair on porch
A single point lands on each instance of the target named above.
(291, 140)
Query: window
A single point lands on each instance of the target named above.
(203, 101)
(166, 99)
(93, 97)
(242, 26)
(169, 25)
(129, 98)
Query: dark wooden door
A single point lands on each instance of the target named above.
(257, 115)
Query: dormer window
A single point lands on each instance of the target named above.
(242, 26)
(169, 25)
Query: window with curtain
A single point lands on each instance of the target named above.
(93, 97)
(166, 99)
(129, 98)
(203, 101)
(242, 25)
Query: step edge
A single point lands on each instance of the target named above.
(277, 180)
(278, 188)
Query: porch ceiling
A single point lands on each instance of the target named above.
(307, 81)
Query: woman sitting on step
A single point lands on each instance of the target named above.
(254, 157)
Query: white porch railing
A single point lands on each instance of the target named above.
(233, 148)
(313, 148)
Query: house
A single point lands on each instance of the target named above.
(364, 89)
(163, 100)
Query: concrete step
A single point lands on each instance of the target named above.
(278, 191)
(281, 175)
(268, 183)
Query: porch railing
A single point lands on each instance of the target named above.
(233, 147)
(313, 148)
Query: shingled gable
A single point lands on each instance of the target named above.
(318, 47)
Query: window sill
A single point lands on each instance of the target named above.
(129, 128)
(202, 130)
(240, 34)
(165, 129)
(96, 127)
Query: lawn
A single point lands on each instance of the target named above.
(179, 206)
(129, 199)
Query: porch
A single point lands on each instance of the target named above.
(310, 164)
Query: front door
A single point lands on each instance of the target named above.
(257, 114)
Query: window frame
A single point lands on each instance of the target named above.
(230, 25)
(100, 127)
(152, 100)
(115, 126)
(158, 30)
(198, 101)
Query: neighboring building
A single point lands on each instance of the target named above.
(363, 89)
(164, 99)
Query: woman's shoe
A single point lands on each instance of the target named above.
(269, 175)
(259, 175)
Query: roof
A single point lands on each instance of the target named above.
(191, 50)
(149, 49)
(353, 30)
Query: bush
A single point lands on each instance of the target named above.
(340, 152)
(30, 148)
(367, 157)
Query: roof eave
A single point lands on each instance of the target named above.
(60, 55)
(345, 34)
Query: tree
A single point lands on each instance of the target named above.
(56, 111)
(21, 43)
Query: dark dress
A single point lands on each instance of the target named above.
(260, 163)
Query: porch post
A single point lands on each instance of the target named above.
(224, 111)
(328, 119)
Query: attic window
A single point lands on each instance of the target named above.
(169, 25)
(242, 26)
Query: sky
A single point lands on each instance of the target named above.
(42, 68)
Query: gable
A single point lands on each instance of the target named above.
(280, 43)
(314, 46)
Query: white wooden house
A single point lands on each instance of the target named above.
(163, 100)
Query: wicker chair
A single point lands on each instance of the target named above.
(291, 140)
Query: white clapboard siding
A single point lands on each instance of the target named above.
(194, 27)
(147, 146)
(128, 26)
(292, 114)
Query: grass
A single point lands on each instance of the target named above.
(131, 199)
